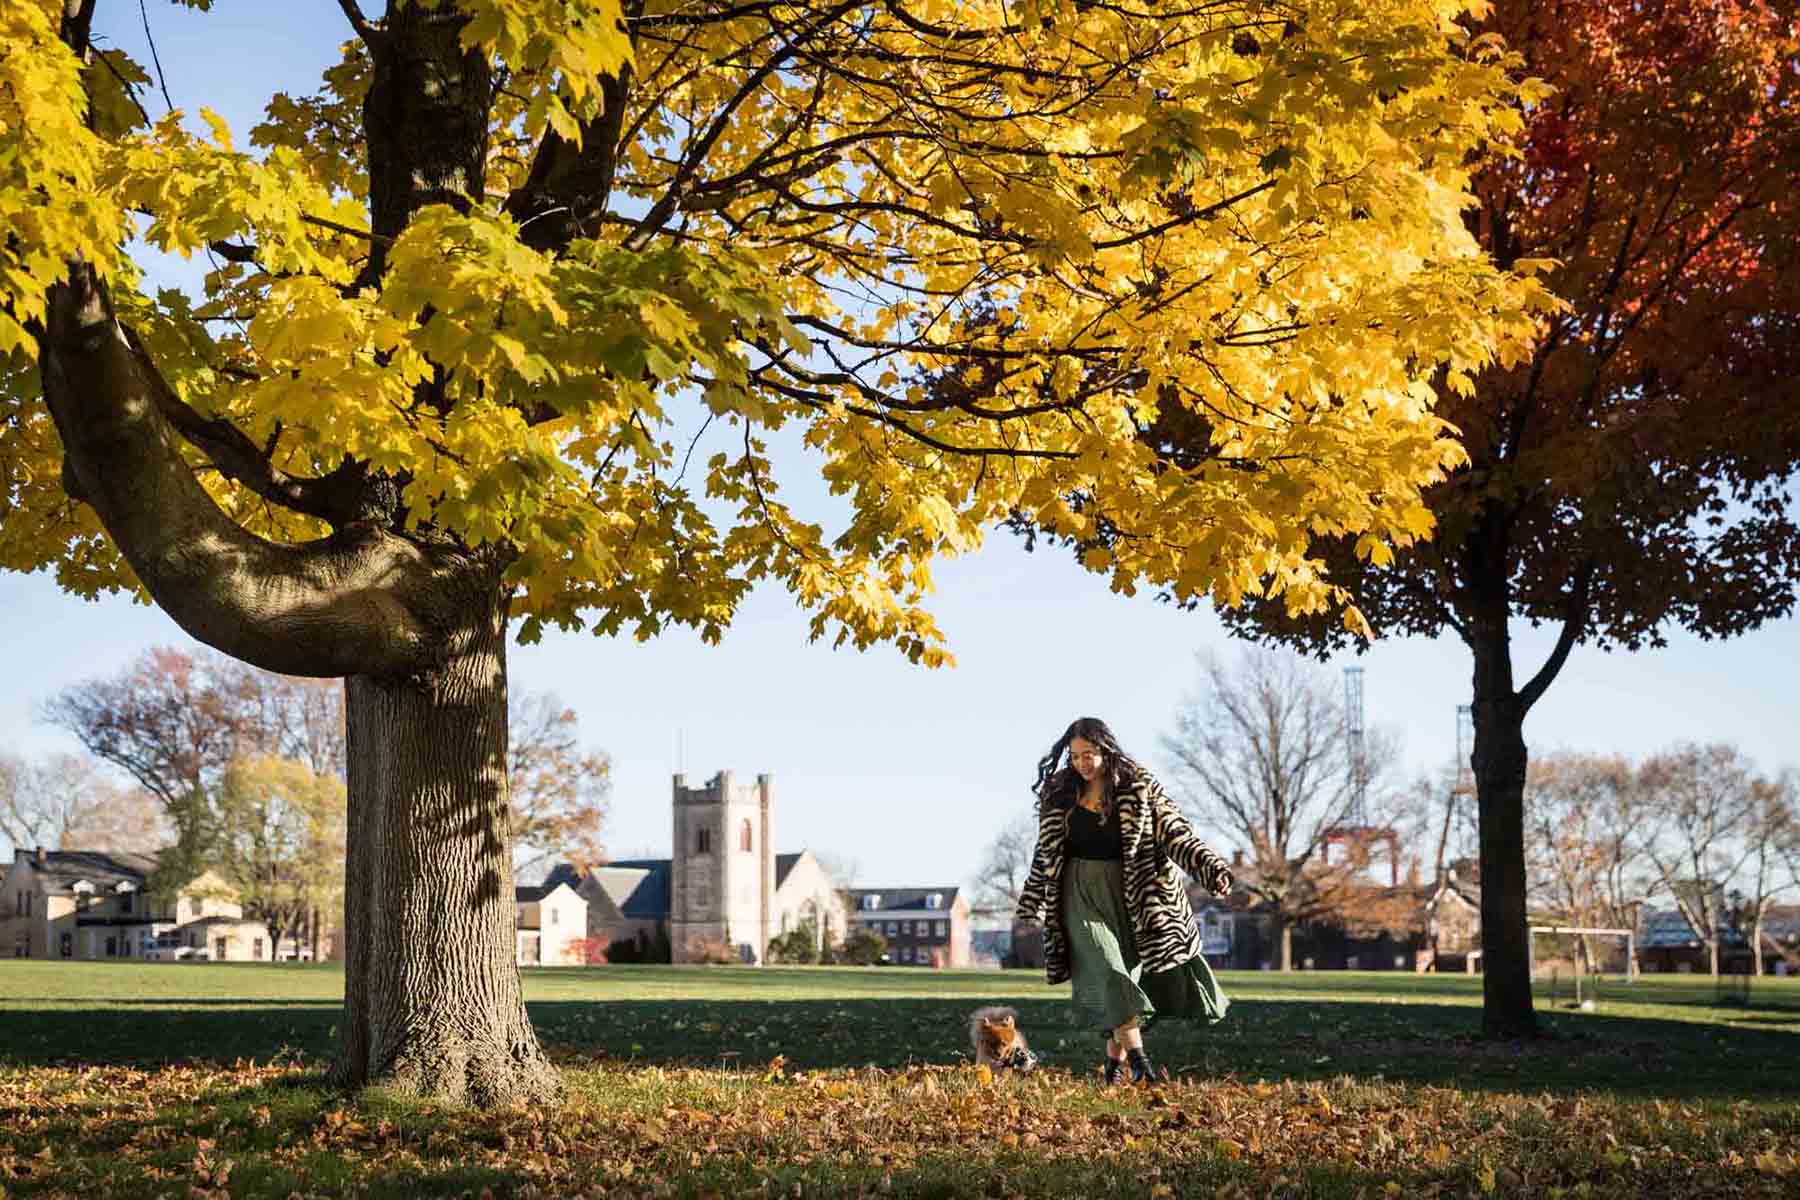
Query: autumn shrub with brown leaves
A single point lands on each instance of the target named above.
(714, 951)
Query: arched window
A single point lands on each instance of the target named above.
(744, 835)
(703, 841)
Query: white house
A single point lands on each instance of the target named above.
(552, 926)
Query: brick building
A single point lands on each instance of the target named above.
(924, 927)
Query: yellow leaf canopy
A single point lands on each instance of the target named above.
(987, 256)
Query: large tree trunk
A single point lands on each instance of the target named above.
(415, 624)
(1499, 762)
(1284, 932)
(432, 1002)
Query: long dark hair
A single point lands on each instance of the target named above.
(1057, 782)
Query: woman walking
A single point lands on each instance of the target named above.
(1116, 919)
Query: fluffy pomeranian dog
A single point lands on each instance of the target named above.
(994, 1033)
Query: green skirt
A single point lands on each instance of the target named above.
(1108, 985)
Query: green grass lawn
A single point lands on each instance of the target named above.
(142, 1079)
(1661, 1036)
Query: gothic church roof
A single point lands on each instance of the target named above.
(784, 863)
(639, 887)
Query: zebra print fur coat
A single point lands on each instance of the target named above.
(1156, 839)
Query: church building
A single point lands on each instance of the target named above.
(724, 889)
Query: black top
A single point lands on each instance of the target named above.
(1090, 837)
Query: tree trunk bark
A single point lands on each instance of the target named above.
(1285, 932)
(1499, 762)
(1756, 950)
(432, 1002)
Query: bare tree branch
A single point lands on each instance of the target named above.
(1261, 752)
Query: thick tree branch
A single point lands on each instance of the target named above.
(367, 30)
(1574, 622)
(236, 252)
(335, 498)
(564, 196)
(77, 25)
(359, 602)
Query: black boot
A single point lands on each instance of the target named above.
(1115, 1070)
(1142, 1070)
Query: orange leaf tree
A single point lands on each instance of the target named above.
(1631, 476)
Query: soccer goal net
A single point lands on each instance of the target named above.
(1572, 958)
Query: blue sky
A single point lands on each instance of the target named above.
(907, 772)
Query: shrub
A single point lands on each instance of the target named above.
(641, 949)
(712, 950)
(797, 945)
(861, 947)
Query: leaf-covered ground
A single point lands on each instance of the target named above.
(203, 1081)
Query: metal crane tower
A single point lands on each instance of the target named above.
(1358, 814)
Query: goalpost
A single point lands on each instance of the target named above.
(1631, 967)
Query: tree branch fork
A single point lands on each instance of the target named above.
(361, 601)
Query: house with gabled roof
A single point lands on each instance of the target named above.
(86, 905)
(551, 929)
(923, 926)
(1781, 939)
(1453, 920)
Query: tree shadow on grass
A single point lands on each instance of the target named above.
(1788, 1017)
(147, 1035)
(203, 1002)
(1412, 1043)
(1630, 1057)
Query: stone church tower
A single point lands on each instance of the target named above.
(722, 884)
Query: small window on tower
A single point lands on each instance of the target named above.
(703, 842)
(744, 835)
